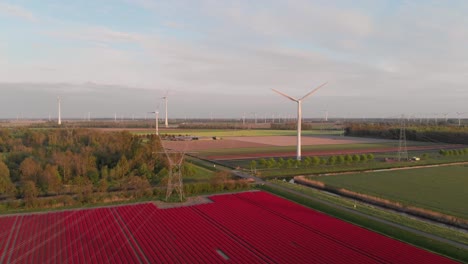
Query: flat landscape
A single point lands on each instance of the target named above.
(441, 189)
(249, 227)
(285, 146)
(224, 132)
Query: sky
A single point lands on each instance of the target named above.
(222, 58)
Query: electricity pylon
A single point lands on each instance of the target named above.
(402, 149)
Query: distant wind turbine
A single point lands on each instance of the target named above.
(299, 115)
(156, 121)
(156, 112)
(458, 116)
(166, 123)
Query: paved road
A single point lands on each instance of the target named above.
(409, 229)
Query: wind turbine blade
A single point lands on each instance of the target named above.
(285, 95)
(313, 91)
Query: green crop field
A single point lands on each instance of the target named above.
(440, 189)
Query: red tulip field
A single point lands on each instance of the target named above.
(248, 227)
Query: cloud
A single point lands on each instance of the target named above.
(94, 34)
(242, 49)
(16, 11)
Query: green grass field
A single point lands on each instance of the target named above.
(240, 132)
(440, 189)
(201, 175)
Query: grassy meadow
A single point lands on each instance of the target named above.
(441, 189)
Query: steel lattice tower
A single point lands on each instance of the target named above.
(174, 181)
(402, 149)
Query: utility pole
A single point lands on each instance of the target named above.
(402, 149)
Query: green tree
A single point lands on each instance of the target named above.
(281, 162)
(297, 163)
(122, 168)
(348, 158)
(102, 185)
(331, 160)
(7, 188)
(30, 170)
(315, 160)
(370, 156)
(253, 166)
(50, 181)
(363, 157)
(29, 192)
(340, 159)
(356, 158)
(104, 172)
(307, 161)
(271, 163)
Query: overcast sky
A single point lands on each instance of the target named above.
(221, 58)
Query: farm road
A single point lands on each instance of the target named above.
(351, 211)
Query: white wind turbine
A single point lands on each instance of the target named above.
(156, 119)
(458, 116)
(166, 123)
(299, 115)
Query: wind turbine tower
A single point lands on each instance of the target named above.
(299, 115)
(166, 123)
(156, 121)
(59, 111)
(459, 119)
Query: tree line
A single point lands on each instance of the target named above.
(271, 163)
(77, 161)
(444, 134)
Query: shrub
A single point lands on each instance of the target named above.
(340, 159)
(281, 162)
(356, 158)
(363, 157)
(271, 163)
(315, 160)
(348, 158)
